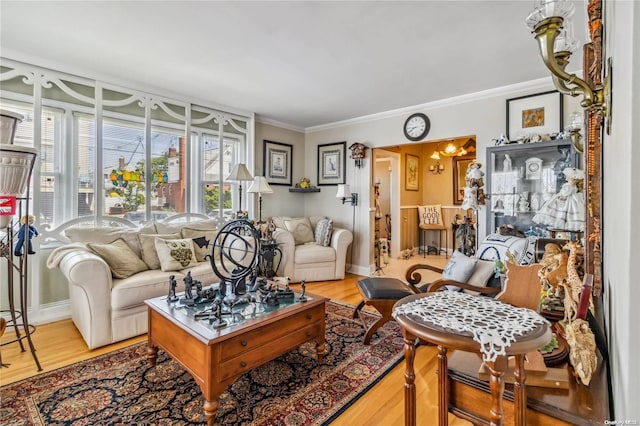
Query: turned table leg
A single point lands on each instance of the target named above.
(443, 394)
(152, 354)
(409, 380)
(210, 408)
(520, 392)
(496, 383)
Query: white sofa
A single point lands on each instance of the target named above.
(106, 309)
(310, 261)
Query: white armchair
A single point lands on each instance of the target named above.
(310, 260)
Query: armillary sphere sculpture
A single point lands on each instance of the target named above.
(234, 257)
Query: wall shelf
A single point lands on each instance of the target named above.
(304, 190)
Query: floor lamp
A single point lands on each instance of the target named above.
(239, 173)
(261, 186)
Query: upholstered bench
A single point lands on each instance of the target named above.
(381, 293)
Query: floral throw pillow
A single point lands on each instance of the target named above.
(175, 254)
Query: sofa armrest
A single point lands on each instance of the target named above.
(287, 246)
(340, 241)
(90, 284)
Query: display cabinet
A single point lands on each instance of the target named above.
(521, 178)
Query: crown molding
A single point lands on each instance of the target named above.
(539, 84)
(264, 120)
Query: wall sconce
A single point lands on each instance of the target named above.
(344, 192)
(552, 26)
(437, 168)
(574, 127)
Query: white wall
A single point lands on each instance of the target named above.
(621, 237)
(480, 114)
(282, 202)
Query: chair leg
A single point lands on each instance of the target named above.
(356, 311)
(372, 329)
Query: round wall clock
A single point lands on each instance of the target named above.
(416, 127)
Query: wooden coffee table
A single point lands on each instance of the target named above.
(216, 357)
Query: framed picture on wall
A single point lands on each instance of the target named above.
(412, 172)
(534, 115)
(277, 161)
(332, 163)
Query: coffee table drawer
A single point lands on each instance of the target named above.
(268, 333)
(259, 355)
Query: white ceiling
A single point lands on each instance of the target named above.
(300, 63)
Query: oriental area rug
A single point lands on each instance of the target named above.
(120, 388)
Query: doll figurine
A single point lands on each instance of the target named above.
(26, 232)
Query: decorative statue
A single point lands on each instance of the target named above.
(506, 164)
(26, 233)
(172, 289)
(188, 298)
(302, 297)
(561, 165)
(565, 210)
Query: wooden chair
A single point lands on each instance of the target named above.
(382, 293)
(430, 219)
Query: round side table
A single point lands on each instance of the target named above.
(428, 326)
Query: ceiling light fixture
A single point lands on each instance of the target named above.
(449, 150)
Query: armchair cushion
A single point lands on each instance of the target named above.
(122, 261)
(430, 217)
(460, 268)
(301, 230)
(495, 247)
(482, 273)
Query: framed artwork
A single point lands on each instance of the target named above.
(534, 115)
(460, 165)
(332, 163)
(277, 160)
(411, 172)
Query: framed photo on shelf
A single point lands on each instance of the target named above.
(412, 172)
(534, 115)
(277, 161)
(332, 163)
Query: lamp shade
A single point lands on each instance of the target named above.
(260, 185)
(344, 191)
(239, 173)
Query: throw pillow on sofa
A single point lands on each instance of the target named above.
(175, 254)
(148, 248)
(324, 230)
(202, 241)
(122, 261)
(301, 230)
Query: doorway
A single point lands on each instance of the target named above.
(397, 221)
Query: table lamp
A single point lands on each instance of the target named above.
(239, 173)
(261, 186)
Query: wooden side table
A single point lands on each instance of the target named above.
(428, 326)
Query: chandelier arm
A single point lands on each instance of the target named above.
(546, 32)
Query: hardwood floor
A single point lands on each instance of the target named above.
(59, 344)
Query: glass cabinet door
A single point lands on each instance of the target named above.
(521, 178)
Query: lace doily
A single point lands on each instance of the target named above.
(493, 324)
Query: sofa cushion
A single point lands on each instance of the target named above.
(313, 253)
(133, 291)
(175, 254)
(202, 272)
(122, 261)
(324, 229)
(170, 228)
(315, 219)
(202, 241)
(301, 230)
(108, 235)
(148, 248)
